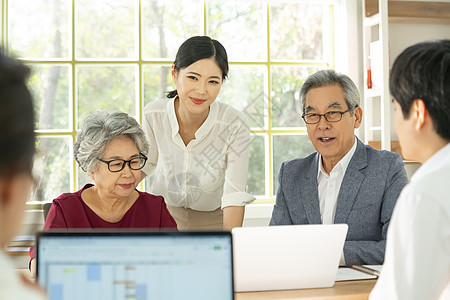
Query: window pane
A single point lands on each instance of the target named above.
(240, 26)
(148, 183)
(157, 82)
(106, 29)
(39, 29)
(296, 31)
(286, 147)
(53, 166)
(286, 83)
(108, 88)
(256, 168)
(50, 87)
(82, 178)
(166, 24)
(111, 49)
(245, 91)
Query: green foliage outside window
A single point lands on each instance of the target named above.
(116, 55)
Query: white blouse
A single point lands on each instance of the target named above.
(211, 171)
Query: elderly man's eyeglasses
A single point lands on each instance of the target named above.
(117, 165)
(331, 116)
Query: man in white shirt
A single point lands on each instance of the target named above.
(345, 181)
(417, 264)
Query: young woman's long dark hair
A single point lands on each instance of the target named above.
(17, 137)
(197, 48)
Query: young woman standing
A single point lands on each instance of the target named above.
(199, 146)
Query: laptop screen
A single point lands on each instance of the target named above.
(135, 265)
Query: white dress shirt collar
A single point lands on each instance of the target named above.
(341, 165)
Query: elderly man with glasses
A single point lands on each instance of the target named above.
(345, 181)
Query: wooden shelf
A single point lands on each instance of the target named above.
(375, 48)
(411, 162)
(17, 251)
(377, 101)
(422, 12)
(372, 20)
(419, 12)
(395, 146)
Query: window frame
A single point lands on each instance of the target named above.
(268, 132)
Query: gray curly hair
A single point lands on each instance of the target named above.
(98, 130)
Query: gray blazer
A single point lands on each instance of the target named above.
(369, 190)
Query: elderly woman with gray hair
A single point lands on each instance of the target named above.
(110, 147)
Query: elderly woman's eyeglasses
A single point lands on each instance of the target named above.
(331, 116)
(117, 165)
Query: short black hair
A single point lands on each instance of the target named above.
(17, 137)
(200, 47)
(422, 71)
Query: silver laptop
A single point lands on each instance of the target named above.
(287, 257)
(135, 265)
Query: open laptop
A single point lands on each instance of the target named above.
(287, 257)
(135, 265)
